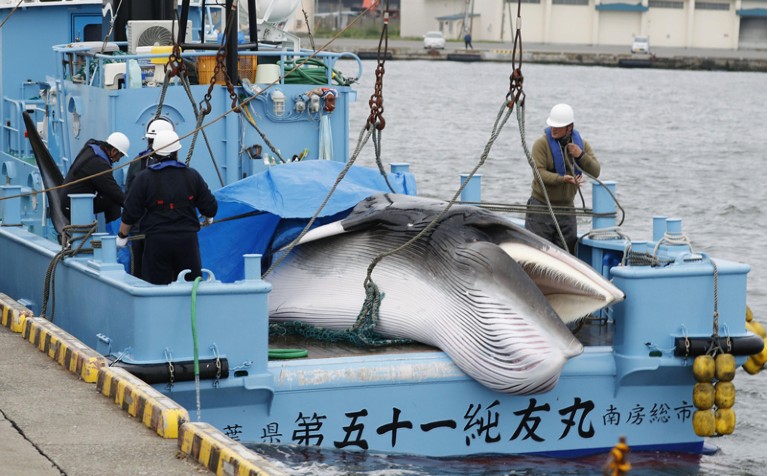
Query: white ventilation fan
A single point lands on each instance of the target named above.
(154, 33)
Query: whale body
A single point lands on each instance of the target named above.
(491, 295)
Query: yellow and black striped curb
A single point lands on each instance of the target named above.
(13, 313)
(141, 400)
(220, 454)
(63, 347)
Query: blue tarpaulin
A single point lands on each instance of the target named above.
(287, 196)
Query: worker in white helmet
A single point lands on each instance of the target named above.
(138, 164)
(91, 172)
(561, 156)
(165, 200)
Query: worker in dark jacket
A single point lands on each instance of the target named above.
(164, 200)
(137, 165)
(91, 172)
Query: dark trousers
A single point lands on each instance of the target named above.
(167, 254)
(137, 257)
(542, 225)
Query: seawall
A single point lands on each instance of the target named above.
(583, 55)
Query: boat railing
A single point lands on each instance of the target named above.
(85, 63)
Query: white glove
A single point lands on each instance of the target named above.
(207, 221)
(121, 242)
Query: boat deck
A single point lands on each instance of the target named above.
(592, 332)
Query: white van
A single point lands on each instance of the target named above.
(641, 44)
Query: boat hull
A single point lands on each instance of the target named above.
(421, 403)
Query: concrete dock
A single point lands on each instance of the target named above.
(65, 411)
(52, 424)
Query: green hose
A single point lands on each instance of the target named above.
(194, 326)
(312, 71)
(196, 353)
(273, 353)
(288, 353)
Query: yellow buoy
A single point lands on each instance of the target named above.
(724, 395)
(752, 367)
(704, 422)
(704, 368)
(725, 367)
(757, 328)
(725, 421)
(703, 395)
(617, 463)
(761, 357)
(749, 314)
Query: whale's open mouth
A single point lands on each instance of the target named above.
(572, 288)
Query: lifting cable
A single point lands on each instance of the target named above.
(516, 95)
(361, 141)
(252, 121)
(178, 69)
(308, 26)
(363, 330)
(111, 26)
(368, 316)
(376, 122)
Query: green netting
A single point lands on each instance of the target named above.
(361, 334)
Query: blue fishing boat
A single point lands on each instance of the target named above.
(337, 308)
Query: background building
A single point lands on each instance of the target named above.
(727, 24)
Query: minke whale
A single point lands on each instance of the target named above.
(491, 295)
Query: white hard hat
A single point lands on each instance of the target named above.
(160, 124)
(119, 141)
(561, 115)
(165, 143)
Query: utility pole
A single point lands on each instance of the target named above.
(466, 18)
(471, 19)
(503, 17)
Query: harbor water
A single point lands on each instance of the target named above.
(682, 144)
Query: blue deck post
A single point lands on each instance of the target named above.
(97, 251)
(81, 205)
(11, 206)
(252, 266)
(109, 249)
(674, 226)
(400, 168)
(473, 190)
(602, 203)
